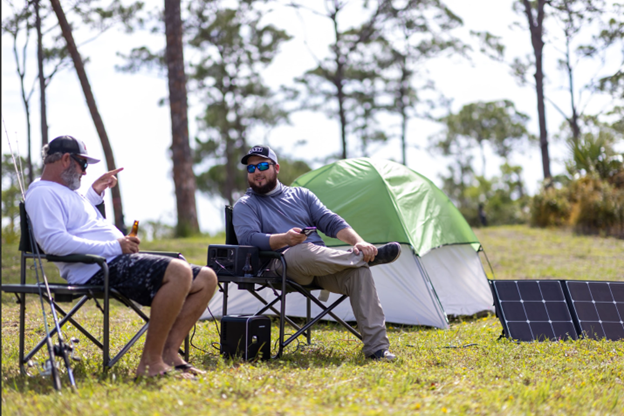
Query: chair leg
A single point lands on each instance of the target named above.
(309, 314)
(187, 348)
(105, 334)
(129, 345)
(22, 323)
(22, 318)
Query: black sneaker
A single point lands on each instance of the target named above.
(383, 355)
(386, 254)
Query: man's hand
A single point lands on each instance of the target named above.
(129, 245)
(290, 238)
(108, 180)
(368, 250)
(349, 236)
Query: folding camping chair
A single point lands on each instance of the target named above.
(281, 286)
(66, 293)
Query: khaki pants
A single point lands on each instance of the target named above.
(345, 273)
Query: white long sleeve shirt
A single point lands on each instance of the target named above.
(65, 222)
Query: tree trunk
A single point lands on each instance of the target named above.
(97, 120)
(230, 170)
(21, 72)
(402, 107)
(42, 85)
(538, 45)
(574, 126)
(338, 82)
(183, 175)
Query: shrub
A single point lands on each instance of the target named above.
(589, 205)
(550, 207)
(598, 207)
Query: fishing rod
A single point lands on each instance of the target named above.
(61, 348)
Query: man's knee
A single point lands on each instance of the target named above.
(179, 272)
(359, 279)
(208, 278)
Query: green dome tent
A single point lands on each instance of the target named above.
(439, 272)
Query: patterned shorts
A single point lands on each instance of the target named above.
(137, 276)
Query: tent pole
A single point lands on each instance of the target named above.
(488, 260)
(432, 291)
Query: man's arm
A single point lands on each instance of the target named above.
(108, 180)
(349, 236)
(48, 218)
(290, 238)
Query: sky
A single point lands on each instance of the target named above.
(139, 129)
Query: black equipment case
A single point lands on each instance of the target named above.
(248, 337)
(230, 260)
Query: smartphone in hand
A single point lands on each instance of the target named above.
(308, 230)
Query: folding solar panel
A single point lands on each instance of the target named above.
(533, 310)
(597, 308)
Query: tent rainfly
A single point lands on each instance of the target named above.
(439, 272)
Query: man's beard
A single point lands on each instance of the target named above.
(71, 177)
(266, 188)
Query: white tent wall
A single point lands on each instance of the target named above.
(403, 291)
(459, 280)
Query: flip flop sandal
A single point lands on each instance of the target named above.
(187, 368)
(166, 374)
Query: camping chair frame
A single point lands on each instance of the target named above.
(282, 284)
(67, 293)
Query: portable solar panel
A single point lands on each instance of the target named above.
(533, 310)
(597, 308)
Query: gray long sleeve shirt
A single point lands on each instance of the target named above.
(257, 216)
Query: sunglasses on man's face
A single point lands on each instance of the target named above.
(262, 166)
(81, 162)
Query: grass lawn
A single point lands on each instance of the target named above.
(463, 370)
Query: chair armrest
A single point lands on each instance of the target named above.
(77, 258)
(270, 254)
(165, 253)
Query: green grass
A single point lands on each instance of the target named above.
(519, 252)
(438, 371)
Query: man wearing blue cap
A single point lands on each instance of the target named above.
(271, 216)
(65, 222)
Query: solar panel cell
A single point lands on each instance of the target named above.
(520, 331)
(530, 290)
(618, 292)
(579, 291)
(558, 311)
(607, 312)
(613, 331)
(542, 331)
(600, 292)
(565, 330)
(592, 330)
(507, 290)
(514, 311)
(551, 291)
(586, 311)
(536, 311)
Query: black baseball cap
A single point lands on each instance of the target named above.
(262, 151)
(68, 144)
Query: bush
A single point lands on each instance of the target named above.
(598, 207)
(550, 207)
(589, 205)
